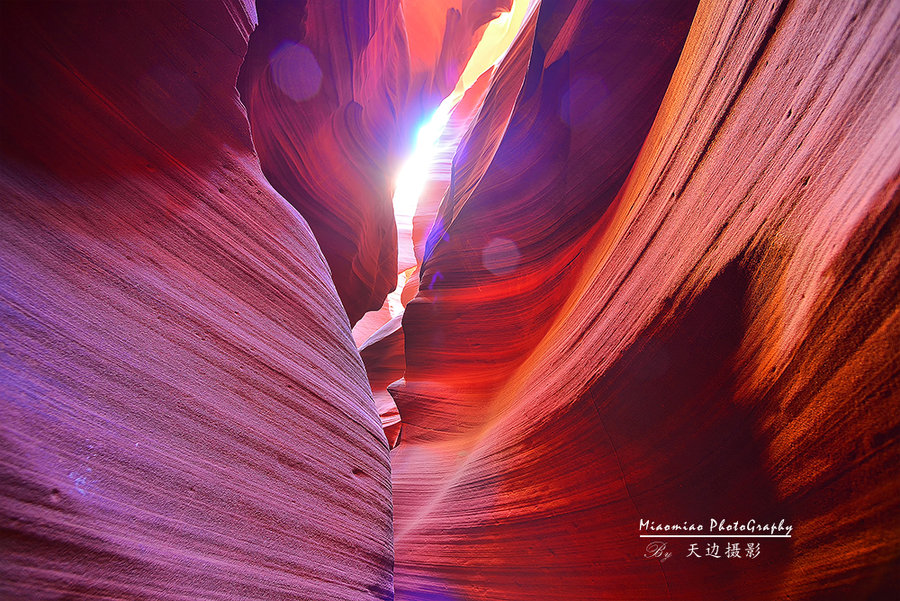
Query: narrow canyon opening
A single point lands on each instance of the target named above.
(425, 175)
(457, 300)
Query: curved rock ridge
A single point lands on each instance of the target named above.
(334, 104)
(184, 412)
(413, 232)
(714, 336)
(509, 229)
(442, 35)
(382, 354)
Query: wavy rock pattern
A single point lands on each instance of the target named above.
(184, 413)
(493, 272)
(713, 336)
(383, 357)
(657, 279)
(333, 115)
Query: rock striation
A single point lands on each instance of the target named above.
(687, 321)
(653, 279)
(184, 412)
(335, 94)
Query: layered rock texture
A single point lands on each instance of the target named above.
(656, 278)
(184, 415)
(334, 93)
(695, 319)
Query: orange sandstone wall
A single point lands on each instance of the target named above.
(184, 412)
(715, 335)
(335, 93)
(661, 283)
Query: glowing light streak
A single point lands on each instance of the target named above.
(415, 172)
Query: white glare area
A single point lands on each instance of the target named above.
(414, 175)
(394, 304)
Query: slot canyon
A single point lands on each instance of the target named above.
(450, 300)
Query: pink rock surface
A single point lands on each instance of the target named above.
(335, 94)
(715, 335)
(658, 279)
(383, 357)
(184, 412)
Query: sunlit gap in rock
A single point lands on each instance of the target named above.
(413, 176)
(419, 169)
(420, 181)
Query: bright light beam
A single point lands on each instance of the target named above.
(416, 171)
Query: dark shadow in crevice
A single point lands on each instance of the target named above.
(687, 450)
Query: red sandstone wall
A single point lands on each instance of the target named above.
(662, 284)
(335, 93)
(184, 412)
(715, 334)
